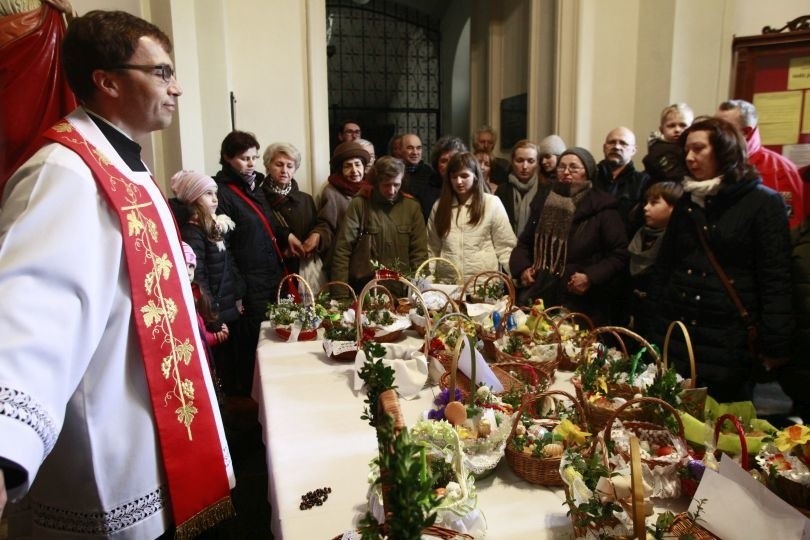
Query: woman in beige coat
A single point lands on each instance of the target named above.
(468, 227)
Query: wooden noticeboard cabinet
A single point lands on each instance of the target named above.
(772, 70)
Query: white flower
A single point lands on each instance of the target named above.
(483, 392)
(453, 491)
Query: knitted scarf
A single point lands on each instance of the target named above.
(644, 248)
(281, 190)
(551, 234)
(700, 189)
(523, 195)
(344, 186)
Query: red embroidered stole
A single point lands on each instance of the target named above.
(186, 428)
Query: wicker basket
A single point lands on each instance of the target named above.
(560, 316)
(434, 261)
(450, 306)
(649, 431)
(388, 404)
(693, 400)
(374, 285)
(635, 508)
(598, 414)
(543, 471)
(328, 290)
(449, 361)
(684, 525)
(548, 367)
(285, 332)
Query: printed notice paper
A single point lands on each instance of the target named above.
(779, 116)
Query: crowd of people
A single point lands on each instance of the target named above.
(701, 235)
(709, 233)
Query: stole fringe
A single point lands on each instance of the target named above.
(205, 519)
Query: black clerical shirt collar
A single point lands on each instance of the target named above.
(129, 150)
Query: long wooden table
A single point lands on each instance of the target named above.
(314, 437)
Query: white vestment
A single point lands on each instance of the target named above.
(75, 411)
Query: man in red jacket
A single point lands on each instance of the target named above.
(778, 172)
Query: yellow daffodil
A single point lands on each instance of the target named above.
(791, 437)
(570, 432)
(601, 384)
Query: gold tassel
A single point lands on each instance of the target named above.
(205, 519)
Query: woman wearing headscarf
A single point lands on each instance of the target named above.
(574, 243)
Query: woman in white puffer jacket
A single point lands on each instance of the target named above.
(468, 227)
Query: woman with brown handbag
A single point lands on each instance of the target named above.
(724, 265)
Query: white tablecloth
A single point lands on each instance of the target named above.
(314, 438)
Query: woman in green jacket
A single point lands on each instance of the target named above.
(393, 219)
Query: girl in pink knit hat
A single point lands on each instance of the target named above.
(216, 274)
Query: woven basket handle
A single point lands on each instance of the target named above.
(619, 331)
(326, 287)
(457, 353)
(450, 301)
(689, 350)
(300, 280)
(740, 432)
(637, 487)
(488, 276)
(644, 399)
(573, 316)
(427, 262)
(358, 316)
(530, 399)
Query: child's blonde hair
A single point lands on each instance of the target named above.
(681, 109)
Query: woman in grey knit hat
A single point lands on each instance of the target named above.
(574, 244)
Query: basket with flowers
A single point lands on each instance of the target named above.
(446, 345)
(437, 304)
(534, 340)
(605, 503)
(439, 273)
(483, 422)
(403, 501)
(546, 424)
(485, 298)
(377, 308)
(333, 299)
(292, 320)
(573, 328)
(663, 450)
(786, 463)
(607, 377)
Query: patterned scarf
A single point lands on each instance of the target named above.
(551, 234)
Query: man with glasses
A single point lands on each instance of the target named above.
(107, 420)
(617, 175)
(349, 131)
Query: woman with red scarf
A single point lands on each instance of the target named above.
(348, 164)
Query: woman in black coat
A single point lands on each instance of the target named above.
(746, 227)
(257, 253)
(574, 244)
